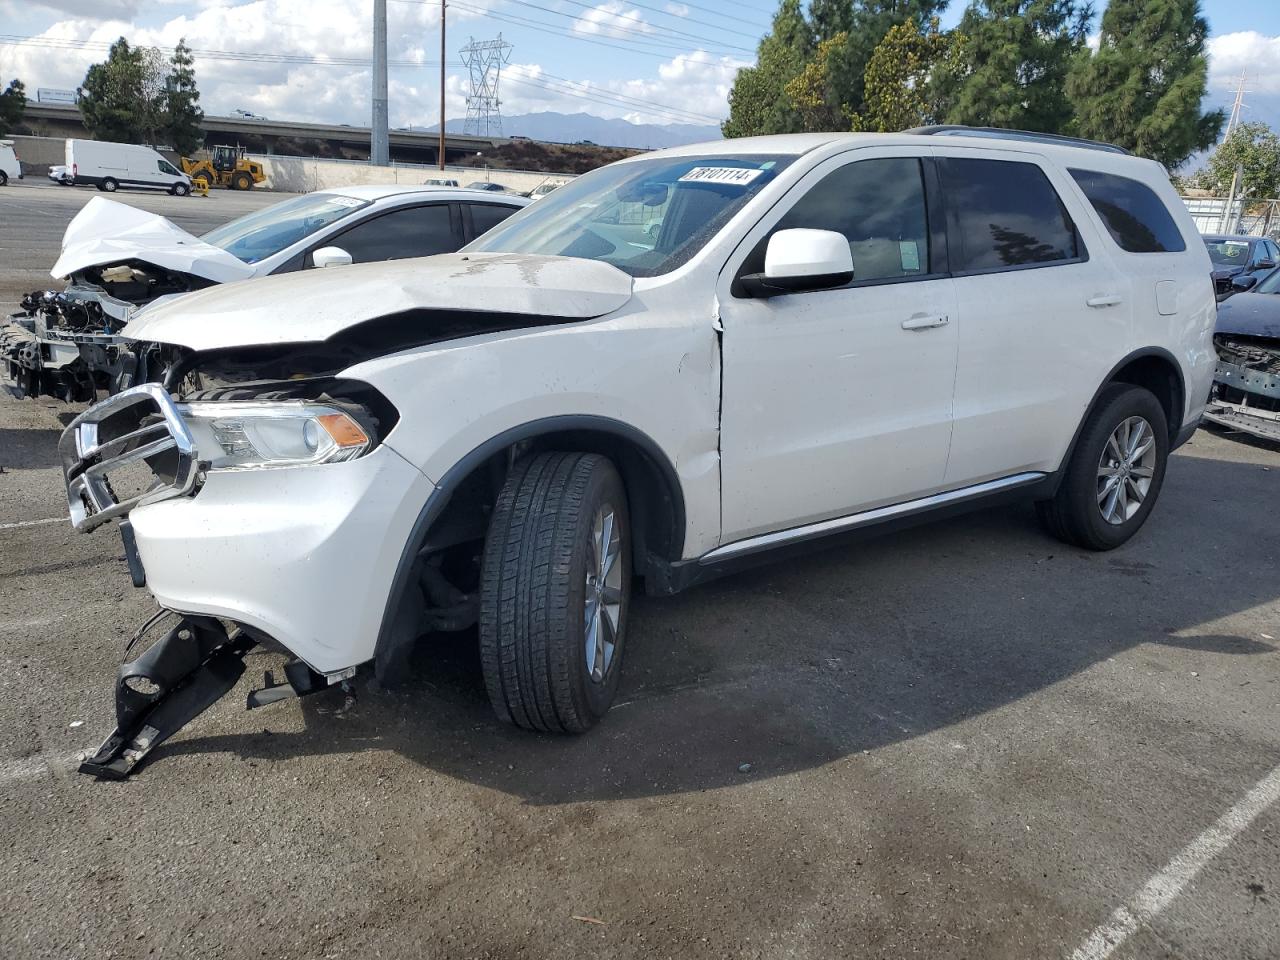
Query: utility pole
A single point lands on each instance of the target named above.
(440, 149)
(1230, 221)
(379, 149)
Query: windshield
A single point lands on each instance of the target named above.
(258, 235)
(1228, 253)
(645, 217)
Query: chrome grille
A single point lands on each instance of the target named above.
(129, 450)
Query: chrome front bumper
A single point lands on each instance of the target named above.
(136, 426)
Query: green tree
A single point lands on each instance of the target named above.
(899, 78)
(869, 23)
(182, 110)
(13, 103)
(1254, 150)
(813, 94)
(758, 102)
(1144, 87)
(1012, 68)
(112, 99)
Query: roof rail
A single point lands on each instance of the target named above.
(959, 130)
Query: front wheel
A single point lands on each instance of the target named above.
(179, 189)
(554, 593)
(4, 179)
(1115, 473)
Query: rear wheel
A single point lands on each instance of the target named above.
(242, 181)
(109, 185)
(1115, 474)
(4, 179)
(554, 594)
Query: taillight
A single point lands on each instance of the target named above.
(75, 169)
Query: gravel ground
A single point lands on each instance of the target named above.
(963, 741)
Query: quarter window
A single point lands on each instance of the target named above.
(1134, 216)
(1007, 214)
(879, 206)
(415, 232)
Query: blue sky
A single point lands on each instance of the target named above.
(660, 61)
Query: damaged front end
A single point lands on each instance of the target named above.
(1246, 389)
(141, 448)
(67, 344)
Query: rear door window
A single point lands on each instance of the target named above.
(1134, 216)
(411, 232)
(1005, 214)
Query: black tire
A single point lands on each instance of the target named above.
(179, 189)
(534, 589)
(109, 185)
(4, 179)
(202, 178)
(1074, 515)
(242, 181)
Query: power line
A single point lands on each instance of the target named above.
(644, 6)
(545, 28)
(633, 34)
(559, 85)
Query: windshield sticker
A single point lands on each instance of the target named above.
(737, 176)
(345, 201)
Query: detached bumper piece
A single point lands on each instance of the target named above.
(172, 683)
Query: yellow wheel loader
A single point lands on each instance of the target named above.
(225, 166)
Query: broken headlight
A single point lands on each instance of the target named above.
(237, 435)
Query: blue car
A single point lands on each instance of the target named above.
(1239, 261)
(1246, 388)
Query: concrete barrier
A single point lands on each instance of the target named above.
(304, 174)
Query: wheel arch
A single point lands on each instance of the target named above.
(654, 493)
(1153, 368)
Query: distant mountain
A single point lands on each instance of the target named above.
(573, 127)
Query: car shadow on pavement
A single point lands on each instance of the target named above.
(792, 666)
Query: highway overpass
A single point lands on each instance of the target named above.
(281, 136)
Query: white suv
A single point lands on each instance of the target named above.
(668, 366)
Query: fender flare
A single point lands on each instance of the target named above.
(388, 647)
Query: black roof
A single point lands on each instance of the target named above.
(999, 133)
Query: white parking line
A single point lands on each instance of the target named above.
(33, 523)
(1161, 889)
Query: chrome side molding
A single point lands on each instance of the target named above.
(822, 528)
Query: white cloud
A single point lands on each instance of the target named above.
(612, 19)
(697, 81)
(676, 9)
(1250, 52)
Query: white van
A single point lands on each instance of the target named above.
(109, 166)
(10, 166)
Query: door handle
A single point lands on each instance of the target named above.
(1105, 300)
(925, 322)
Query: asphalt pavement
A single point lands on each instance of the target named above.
(963, 741)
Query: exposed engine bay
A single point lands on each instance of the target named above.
(66, 344)
(1246, 389)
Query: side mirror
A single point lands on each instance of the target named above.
(1241, 284)
(801, 259)
(330, 257)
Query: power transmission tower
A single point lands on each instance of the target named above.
(1241, 90)
(484, 61)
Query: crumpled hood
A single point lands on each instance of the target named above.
(314, 305)
(1250, 315)
(105, 232)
